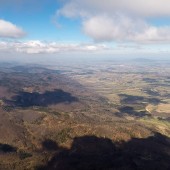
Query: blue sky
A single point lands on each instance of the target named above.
(85, 26)
(40, 23)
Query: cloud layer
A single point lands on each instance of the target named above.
(9, 30)
(120, 20)
(37, 47)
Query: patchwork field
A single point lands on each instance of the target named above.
(134, 90)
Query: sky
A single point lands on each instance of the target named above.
(44, 28)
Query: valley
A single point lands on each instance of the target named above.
(97, 115)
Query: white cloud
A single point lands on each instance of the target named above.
(146, 8)
(121, 28)
(120, 20)
(36, 47)
(9, 30)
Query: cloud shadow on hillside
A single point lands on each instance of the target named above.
(26, 99)
(131, 112)
(5, 148)
(94, 153)
(130, 99)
